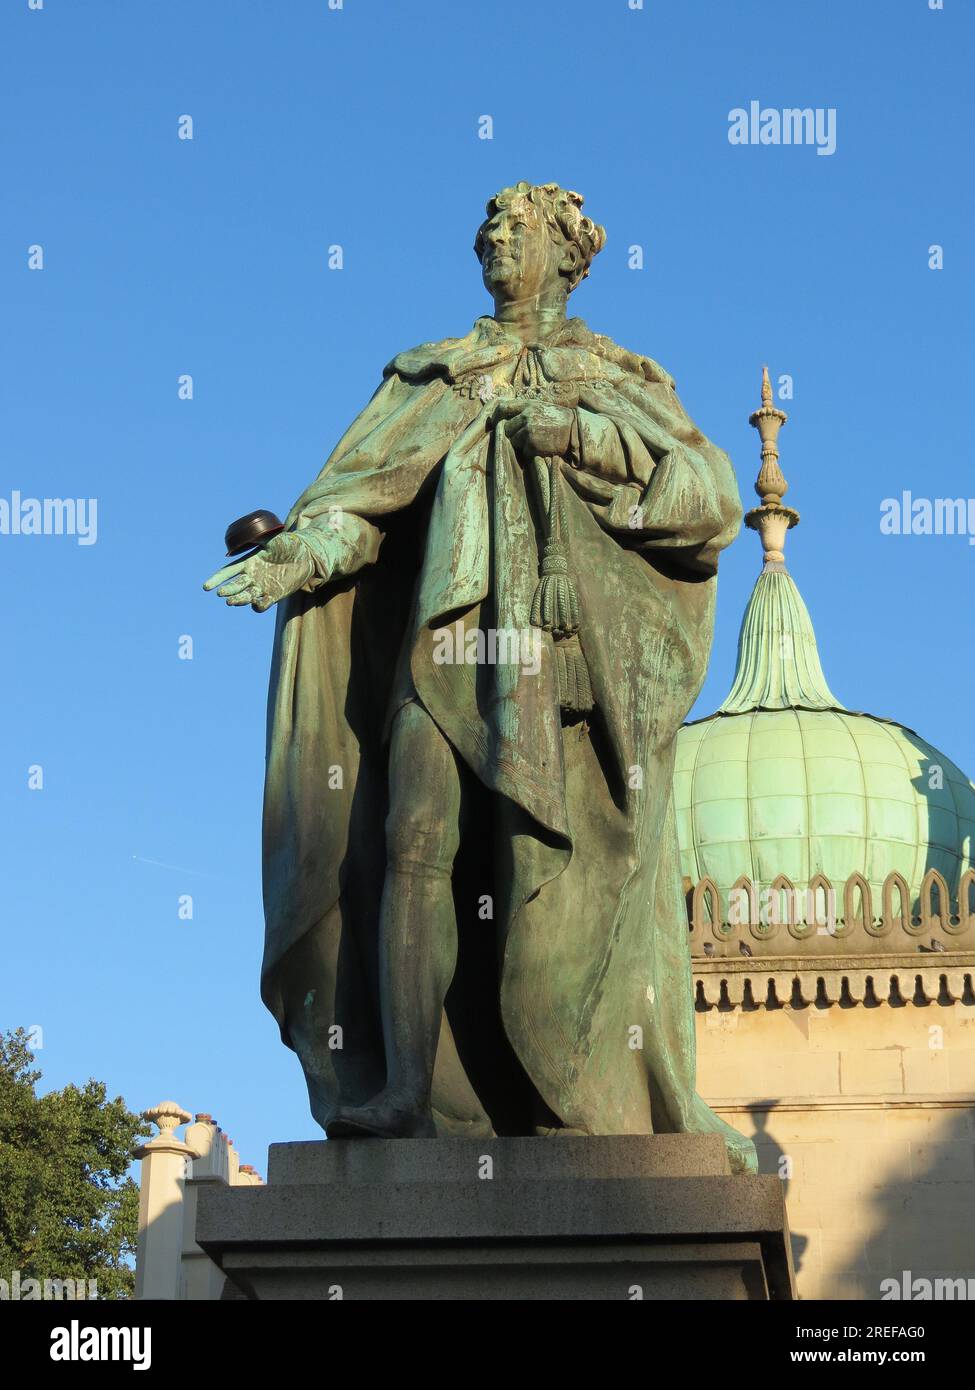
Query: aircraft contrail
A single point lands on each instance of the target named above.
(179, 868)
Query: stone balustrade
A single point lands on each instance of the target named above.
(169, 1263)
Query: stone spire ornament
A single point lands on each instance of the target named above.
(778, 658)
(771, 520)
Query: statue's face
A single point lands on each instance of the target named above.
(519, 258)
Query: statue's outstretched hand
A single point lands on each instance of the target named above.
(278, 569)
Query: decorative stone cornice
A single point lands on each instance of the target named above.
(796, 982)
(936, 1100)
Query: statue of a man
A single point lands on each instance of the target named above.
(495, 610)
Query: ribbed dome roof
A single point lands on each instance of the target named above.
(782, 779)
(807, 791)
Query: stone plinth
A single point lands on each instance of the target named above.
(657, 1217)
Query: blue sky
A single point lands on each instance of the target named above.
(359, 127)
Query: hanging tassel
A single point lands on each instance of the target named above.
(555, 605)
(575, 687)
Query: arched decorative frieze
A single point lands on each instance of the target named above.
(742, 904)
(768, 919)
(784, 907)
(959, 922)
(934, 889)
(779, 904)
(706, 907)
(820, 909)
(757, 912)
(857, 906)
(892, 919)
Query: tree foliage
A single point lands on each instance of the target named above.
(68, 1210)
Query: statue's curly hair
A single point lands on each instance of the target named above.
(561, 211)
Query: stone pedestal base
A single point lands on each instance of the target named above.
(655, 1217)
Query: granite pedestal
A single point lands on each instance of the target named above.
(607, 1217)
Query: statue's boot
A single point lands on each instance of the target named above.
(381, 1118)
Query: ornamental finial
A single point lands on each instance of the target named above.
(167, 1116)
(772, 520)
(766, 388)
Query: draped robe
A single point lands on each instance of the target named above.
(572, 999)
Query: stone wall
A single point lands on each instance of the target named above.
(865, 1108)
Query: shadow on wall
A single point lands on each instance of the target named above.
(923, 1213)
(910, 1218)
(773, 1160)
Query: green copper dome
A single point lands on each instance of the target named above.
(783, 780)
(807, 791)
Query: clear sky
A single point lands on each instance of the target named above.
(359, 127)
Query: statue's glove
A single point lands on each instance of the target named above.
(280, 568)
(536, 428)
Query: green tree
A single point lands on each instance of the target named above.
(68, 1210)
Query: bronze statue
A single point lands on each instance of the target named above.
(495, 610)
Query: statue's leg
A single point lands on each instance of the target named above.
(418, 927)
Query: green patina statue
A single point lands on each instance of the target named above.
(495, 610)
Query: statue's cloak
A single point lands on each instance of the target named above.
(573, 985)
